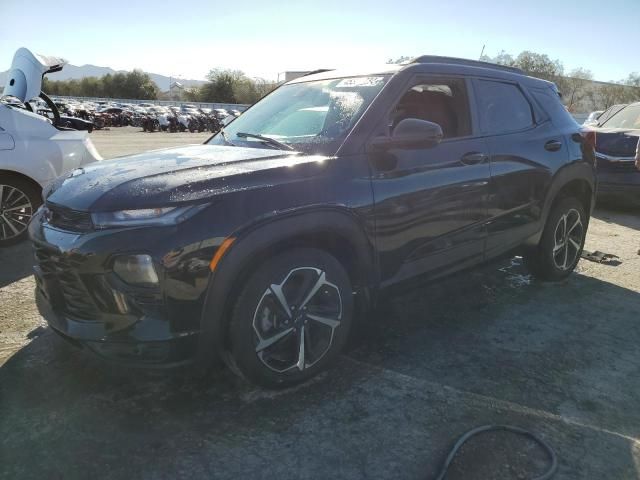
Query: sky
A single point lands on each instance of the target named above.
(187, 39)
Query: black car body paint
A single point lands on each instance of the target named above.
(389, 215)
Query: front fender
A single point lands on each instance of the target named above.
(259, 237)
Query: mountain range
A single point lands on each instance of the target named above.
(77, 72)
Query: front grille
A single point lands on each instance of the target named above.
(616, 167)
(68, 219)
(60, 274)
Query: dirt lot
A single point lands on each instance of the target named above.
(492, 346)
(117, 142)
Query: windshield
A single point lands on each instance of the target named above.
(312, 117)
(628, 117)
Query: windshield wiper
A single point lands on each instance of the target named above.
(226, 138)
(271, 141)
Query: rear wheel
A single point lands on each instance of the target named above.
(19, 199)
(291, 319)
(560, 247)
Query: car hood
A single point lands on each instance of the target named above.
(175, 175)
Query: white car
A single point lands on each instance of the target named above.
(592, 119)
(33, 151)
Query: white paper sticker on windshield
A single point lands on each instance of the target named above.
(360, 82)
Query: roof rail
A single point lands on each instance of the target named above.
(464, 61)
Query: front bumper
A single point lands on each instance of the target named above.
(618, 179)
(620, 187)
(85, 302)
(134, 349)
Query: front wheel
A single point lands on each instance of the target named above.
(291, 319)
(562, 241)
(19, 200)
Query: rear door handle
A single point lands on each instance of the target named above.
(474, 158)
(553, 145)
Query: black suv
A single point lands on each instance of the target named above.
(261, 245)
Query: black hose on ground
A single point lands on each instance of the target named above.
(508, 428)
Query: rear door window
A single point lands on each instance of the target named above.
(502, 107)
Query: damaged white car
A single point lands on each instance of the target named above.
(34, 150)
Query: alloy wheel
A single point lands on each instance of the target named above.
(295, 320)
(568, 240)
(15, 212)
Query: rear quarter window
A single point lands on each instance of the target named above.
(550, 102)
(503, 107)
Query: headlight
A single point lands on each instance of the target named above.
(145, 217)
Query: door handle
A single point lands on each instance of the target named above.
(474, 158)
(553, 145)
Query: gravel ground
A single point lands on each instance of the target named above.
(433, 361)
(116, 142)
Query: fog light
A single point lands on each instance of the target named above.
(136, 270)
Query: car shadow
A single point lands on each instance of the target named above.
(431, 362)
(15, 263)
(626, 216)
(498, 330)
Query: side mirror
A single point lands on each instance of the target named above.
(411, 133)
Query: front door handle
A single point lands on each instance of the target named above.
(553, 145)
(474, 158)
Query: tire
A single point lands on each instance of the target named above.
(265, 336)
(542, 262)
(16, 192)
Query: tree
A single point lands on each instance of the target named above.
(633, 79)
(220, 86)
(130, 85)
(633, 87)
(576, 87)
(534, 64)
(539, 65)
(137, 84)
(230, 86)
(399, 60)
(503, 58)
(610, 94)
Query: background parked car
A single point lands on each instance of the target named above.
(220, 113)
(608, 113)
(34, 149)
(617, 150)
(592, 119)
